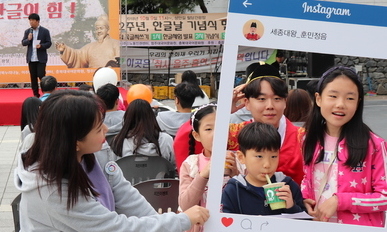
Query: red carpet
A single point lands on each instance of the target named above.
(11, 101)
(10, 105)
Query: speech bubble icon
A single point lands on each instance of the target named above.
(246, 224)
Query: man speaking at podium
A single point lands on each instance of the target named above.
(38, 40)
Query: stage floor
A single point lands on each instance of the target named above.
(11, 101)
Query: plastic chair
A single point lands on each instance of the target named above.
(162, 194)
(137, 168)
(109, 139)
(15, 211)
(161, 109)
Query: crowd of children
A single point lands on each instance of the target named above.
(334, 167)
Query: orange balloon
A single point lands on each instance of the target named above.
(139, 91)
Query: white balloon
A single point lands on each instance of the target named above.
(104, 76)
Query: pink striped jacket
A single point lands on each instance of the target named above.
(361, 191)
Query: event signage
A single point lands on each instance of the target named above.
(172, 29)
(312, 26)
(197, 59)
(314, 10)
(69, 22)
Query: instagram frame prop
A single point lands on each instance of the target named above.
(310, 26)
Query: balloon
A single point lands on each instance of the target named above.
(139, 91)
(103, 76)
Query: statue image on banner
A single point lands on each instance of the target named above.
(101, 53)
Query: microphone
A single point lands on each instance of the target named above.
(31, 30)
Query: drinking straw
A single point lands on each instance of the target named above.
(268, 179)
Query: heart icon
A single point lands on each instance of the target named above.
(227, 221)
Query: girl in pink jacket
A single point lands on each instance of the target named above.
(195, 170)
(345, 163)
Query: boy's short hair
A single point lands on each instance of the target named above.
(109, 93)
(280, 53)
(189, 76)
(48, 83)
(259, 137)
(279, 87)
(186, 93)
(85, 87)
(34, 16)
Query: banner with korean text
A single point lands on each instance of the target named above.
(72, 24)
(197, 59)
(172, 29)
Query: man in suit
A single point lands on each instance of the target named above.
(38, 40)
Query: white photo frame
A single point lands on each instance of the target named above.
(349, 29)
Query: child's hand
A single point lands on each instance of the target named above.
(231, 163)
(327, 209)
(197, 215)
(309, 205)
(284, 193)
(205, 173)
(237, 95)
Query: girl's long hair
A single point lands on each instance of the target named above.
(190, 77)
(140, 124)
(66, 117)
(355, 132)
(29, 114)
(298, 105)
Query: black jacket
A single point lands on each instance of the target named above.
(241, 197)
(45, 42)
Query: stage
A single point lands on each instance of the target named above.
(11, 101)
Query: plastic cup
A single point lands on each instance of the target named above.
(271, 198)
(227, 171)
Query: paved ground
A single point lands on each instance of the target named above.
(375, 114)
(9, 142)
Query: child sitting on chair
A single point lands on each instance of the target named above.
(195, 170)
(259, 145)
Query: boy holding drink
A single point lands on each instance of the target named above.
(259, 145)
